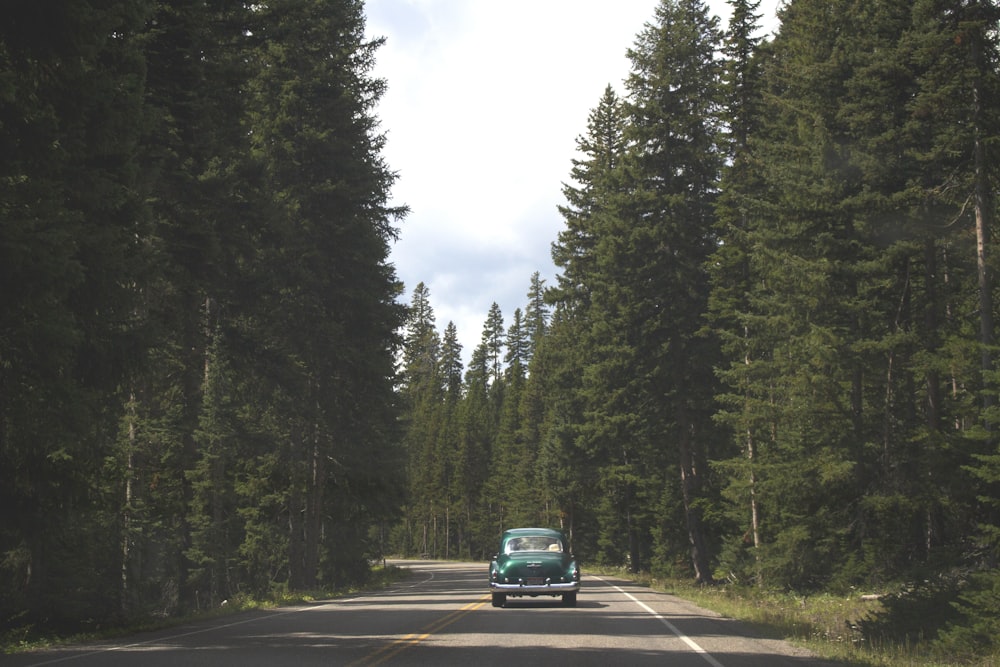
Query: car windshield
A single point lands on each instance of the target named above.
(533, 543)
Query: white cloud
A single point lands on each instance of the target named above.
(484, 104)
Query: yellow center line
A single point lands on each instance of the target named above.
(398, 646)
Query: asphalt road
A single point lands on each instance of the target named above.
(442, 616)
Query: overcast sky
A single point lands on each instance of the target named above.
(485, 101)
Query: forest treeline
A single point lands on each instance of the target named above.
(199, 326)
(770, 354)
(768, 357)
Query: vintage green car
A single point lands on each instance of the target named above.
(533, 562)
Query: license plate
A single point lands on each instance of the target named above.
(535, 581)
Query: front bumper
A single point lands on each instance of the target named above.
(535, 589)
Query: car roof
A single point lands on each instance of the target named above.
(517, 532)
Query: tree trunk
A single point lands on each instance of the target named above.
(314, 514)
(690, 489)
(983, 212)
(754, 513)
(751, 455)
(931, 324)
(126, 592)
(296, 511)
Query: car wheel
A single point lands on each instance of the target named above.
(569, 599)
(499, 599)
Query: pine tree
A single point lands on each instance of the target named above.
(518, 344)
(215, 530)
(565, 478)
(449, 441)
(478, 430)
(421, 343)
(326, 310)
(536, 315)
(494, 340)
(730, 274)
(838, 277)
(71, 214)
(511, 466)
(597, 178)
(451, 361)
(896, 294)
(193, 153)
(955, 123)
(423, 395)
(654, 254)
(489, 357)
(570, 471)
(805, 377)
(194, 200)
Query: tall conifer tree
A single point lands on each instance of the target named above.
(423, 394)
(653, 296)
(730, 272)
(72, 222)
(327, 314)
(569, 464)
(195, 153)
(536, 314)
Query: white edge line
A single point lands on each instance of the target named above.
(670, 626)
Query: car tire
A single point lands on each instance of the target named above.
(569, 599)
(499, 599)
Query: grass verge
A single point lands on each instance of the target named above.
(828, 625)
